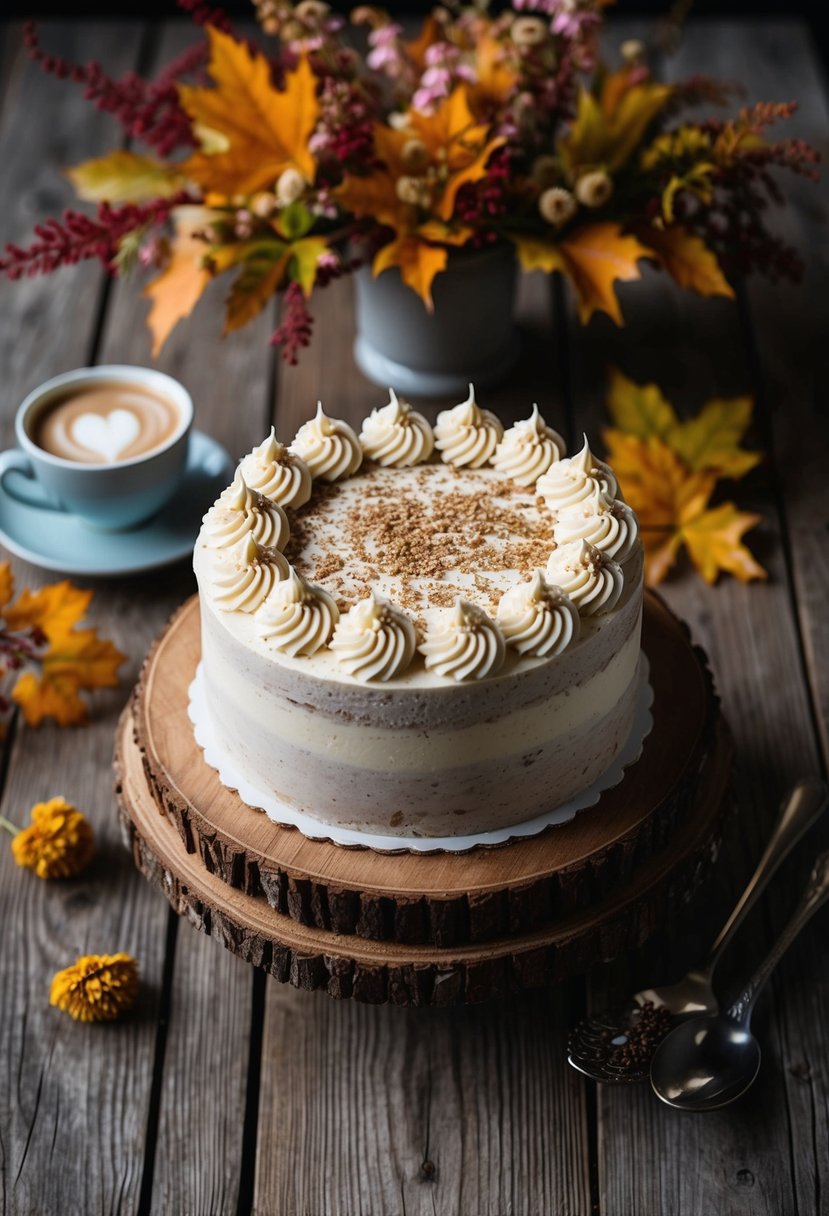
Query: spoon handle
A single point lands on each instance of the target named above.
(816, 893)
(804, 805)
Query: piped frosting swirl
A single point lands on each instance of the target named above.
(297, 617)
(607, 524)
(374, 640)
(575, 478)
(593, 581)
(396, 436)
(528, 449)
(329, 447)
(537, 619)
(464, 644)
(277, 473)
(467, 436)
(241, 512)
(253, 576)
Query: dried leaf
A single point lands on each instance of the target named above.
(261, 130)
(418, 264)
(707, 443)
(594, 257)
(671, 502)
(75, 661)
(251, 291)
(688, 260)
(607, 129)
(177, 290)
(125, 177)
(305, 255)
(6, 584)
(55, 609)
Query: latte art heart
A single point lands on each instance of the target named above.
(106, 435)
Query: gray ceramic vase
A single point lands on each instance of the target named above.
(470, 336)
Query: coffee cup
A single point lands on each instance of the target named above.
(107, 444)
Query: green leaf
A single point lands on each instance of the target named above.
(304, 257)
(124, 177)
(294, 221)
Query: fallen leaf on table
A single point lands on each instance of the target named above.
(672, 504)
(709, 442)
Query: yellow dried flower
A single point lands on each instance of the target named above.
(97, 987)
(58, 844)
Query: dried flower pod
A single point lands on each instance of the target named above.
(59, 843)
(97, 987)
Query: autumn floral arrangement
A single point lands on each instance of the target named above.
(336, 144)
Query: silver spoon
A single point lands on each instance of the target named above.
(618, 1044)
(710, 1061)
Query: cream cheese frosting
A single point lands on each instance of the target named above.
(374, 640)
(528, 449)
(467, 436)
(240, 512)
(463, 643)
(251, 577)
(297, 617)
(575, 478)
(607, 524)
(277, 473)
(593, 581)
(396, 436)
(329, 447)
(537, 619)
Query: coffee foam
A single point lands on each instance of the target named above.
(105, 422)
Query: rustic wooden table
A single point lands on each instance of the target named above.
(224, 1092)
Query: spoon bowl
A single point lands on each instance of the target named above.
(704, 1063)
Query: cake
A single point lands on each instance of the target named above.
(416, 630)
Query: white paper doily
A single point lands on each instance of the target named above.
(314, 829)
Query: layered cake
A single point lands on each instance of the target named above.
(418, 630)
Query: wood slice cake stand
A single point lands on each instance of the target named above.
(428, 928)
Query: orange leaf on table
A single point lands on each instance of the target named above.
(76, 660)
(593, 257)
(688, 260)
(6, 584)
(671, 502)
(55, 609)
(251, 131)
(418, 264)
(707, 443)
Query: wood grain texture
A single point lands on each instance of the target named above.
(424, 1112)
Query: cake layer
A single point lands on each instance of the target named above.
(441, 759)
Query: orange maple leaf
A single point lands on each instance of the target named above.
(75, 659)
(672, 503)
(177, 290)
(687, 259)
(6, 584)
(251, 131)
(417, 261)
(593, 257)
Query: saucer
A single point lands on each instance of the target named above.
(56, 540)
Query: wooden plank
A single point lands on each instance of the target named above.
(74, 1098)
(430, 1112)
(198, 1158)
(695, 349)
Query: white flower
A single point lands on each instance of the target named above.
(593, 189)
(557, 206)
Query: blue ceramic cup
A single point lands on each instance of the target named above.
(108, 497)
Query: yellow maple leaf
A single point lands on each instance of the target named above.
(608, 128)
(55, 609)
(431, 31)
(495, 80)
(593, 257)
(417, 261)
(125, 177)
(709, 442)
(672, 503)
(254, 131)
(687, 259)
